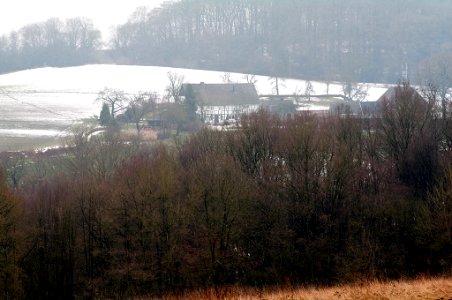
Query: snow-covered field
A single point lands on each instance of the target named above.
(48, 101)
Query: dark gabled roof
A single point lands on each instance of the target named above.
(221, 94)
(399, 91)
(392, 95)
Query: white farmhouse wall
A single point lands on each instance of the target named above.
(211, 114)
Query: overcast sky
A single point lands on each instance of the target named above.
(14, 14)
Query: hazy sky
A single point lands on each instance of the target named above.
(104, 13)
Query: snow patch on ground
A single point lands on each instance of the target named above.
(49, 100)
(28, 132)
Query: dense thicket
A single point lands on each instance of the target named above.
(365, 40)
(301, 199)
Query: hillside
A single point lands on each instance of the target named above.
(47, 101)
(366, 40)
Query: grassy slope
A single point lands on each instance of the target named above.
(437, 288)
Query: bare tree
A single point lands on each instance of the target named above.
(436, 74)
(173, 89)
(309, 89)
(140, 105)
(8, 242)
(80, 34)
(250, 78)
(411, 137)
(353, 91)
(14, 165)
(219, 190)
(116, 99)
(226, 77)
(276, 83)
(440, 103)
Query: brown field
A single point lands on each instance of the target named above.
(437, 288)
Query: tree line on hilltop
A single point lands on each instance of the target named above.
(328, 40)
(53, 43)
(299, 199)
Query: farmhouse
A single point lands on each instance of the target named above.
(374, 108)
(396, 93)
(218, 103)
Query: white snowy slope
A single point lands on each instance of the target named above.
(47, 101)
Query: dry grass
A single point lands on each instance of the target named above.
(438, 288)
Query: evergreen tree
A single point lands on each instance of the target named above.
(105, 117)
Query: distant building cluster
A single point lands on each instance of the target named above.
(222, 103)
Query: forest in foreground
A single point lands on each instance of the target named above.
(302, 199)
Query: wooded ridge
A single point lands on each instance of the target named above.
(361, 41)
